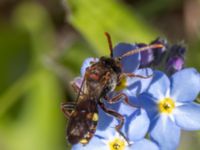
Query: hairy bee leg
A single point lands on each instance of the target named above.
(118, 116)
(132, 75)
(75, 87)
(68, 108)
(118, 98)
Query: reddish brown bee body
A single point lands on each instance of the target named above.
(100, 78)
(83, 122)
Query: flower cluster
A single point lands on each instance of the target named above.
(164, 101)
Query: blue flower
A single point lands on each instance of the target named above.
(129, 63)
(107, 138)
(171, 107)
(131, 86)
(153, 57)
(136, 120)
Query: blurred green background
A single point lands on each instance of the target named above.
(42, 46)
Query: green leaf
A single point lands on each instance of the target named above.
(41, 122)
(35, 20)
(14, 55)
(93, 17)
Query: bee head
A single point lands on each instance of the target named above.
(113, 63)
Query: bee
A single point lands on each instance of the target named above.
(101, 78)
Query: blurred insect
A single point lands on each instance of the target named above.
(101, 78)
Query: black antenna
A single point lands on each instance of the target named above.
(109, 43)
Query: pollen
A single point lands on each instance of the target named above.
(95, 117)
(166, 105)
(83, 141)
(117, 144)
(121, 85)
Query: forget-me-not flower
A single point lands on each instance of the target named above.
(134, 129)
(171, 107)
(130, 86)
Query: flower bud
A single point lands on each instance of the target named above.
(175, 60)
(159, 53)
(153, 57)
(174, 64)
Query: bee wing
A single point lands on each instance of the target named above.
(79, 85)
(83, 122)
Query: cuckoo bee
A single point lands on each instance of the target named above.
(100, 78)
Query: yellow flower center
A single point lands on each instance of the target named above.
(166, 105)
(121, 85)
(117, 144)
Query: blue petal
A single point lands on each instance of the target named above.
(93, 144)
(87, 62)
(106, 125)
(148, 102)
(126, 109)
(185, 85)
(188, 116)
(107, 133)
(137, 85)
(123, 109)
(165, 133)
(159, 86)
(138, 125)
(136, 122)
(129, 63)
(143, 145)
(104, 120)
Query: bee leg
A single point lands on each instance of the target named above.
(75, 87)
(119, 97)
(118, 116)
(68, 108)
